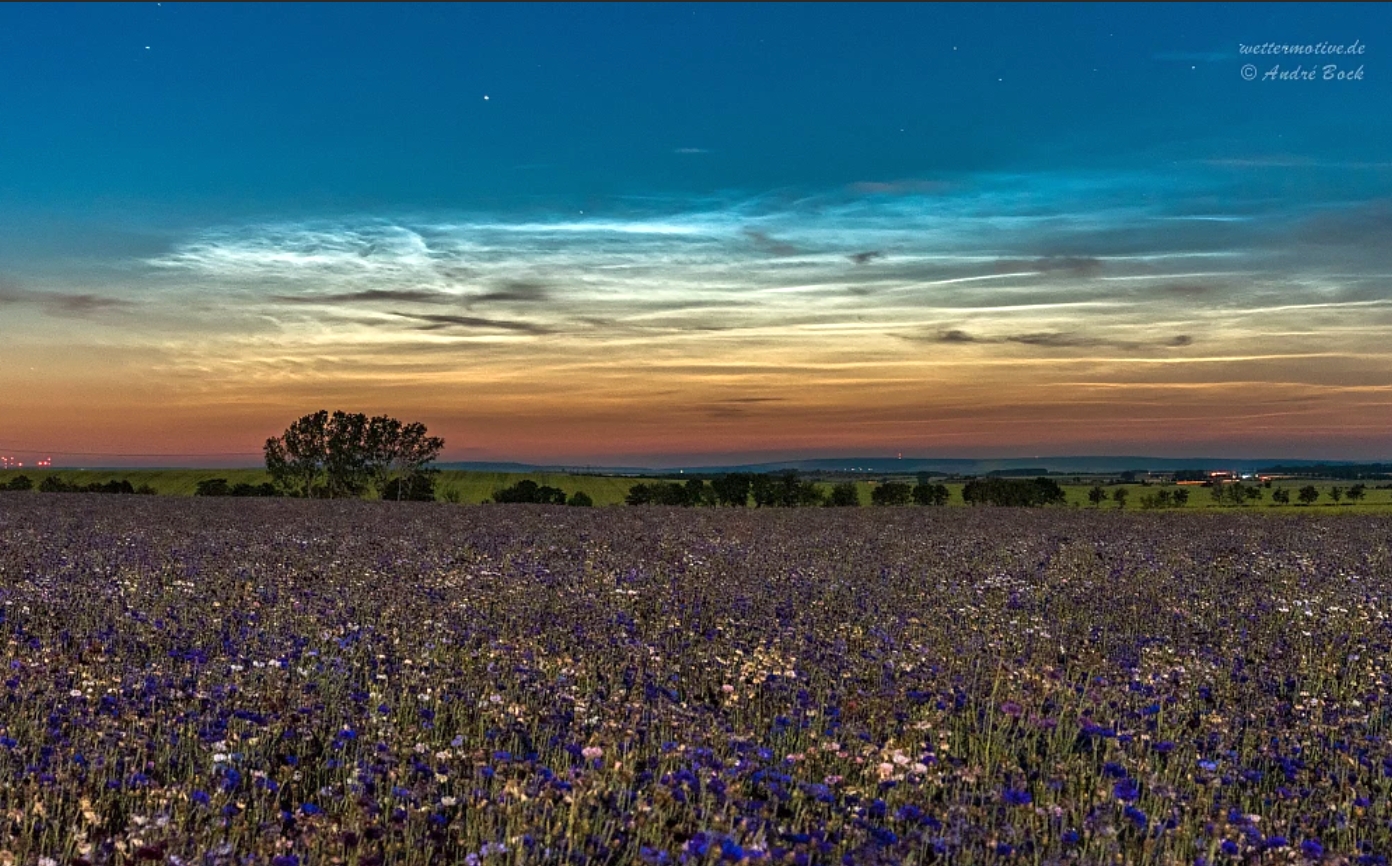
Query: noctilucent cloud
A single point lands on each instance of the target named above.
(666, 233)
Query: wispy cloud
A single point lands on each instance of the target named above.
(368, 296)
(76, 305)
(440, 321)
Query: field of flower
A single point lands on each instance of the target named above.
(220, 681)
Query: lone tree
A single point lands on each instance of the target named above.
(1355, 493)
(1308, 494)
(1119, 496)
(1097, 495)
(844, 495)
(343, 455)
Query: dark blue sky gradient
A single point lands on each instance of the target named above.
(255, 108)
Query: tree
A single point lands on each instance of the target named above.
(783, 489)
(1281, 495)
(242, 488)
(844, 495)
(925, 493)
(1119, 496)
(212, 487)
(20, 482)
(1355, 493)
(416, 487)
(1180, 496)
(657, 493)
(891, 493)
(761, 488)
(528, 491)
(344, 454)
(396, 450)
(1097, 495)
(1158, 499)
(1336, 493)
(296, 460)
(732, 488)
(697, 493)
(580, 499)
(1308, 494)
(54, 484)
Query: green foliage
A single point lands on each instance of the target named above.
(1097, 495)
(891, 493)
(528, 491)
(1308, 494)
(1281, 495)
(1119, 496)
(220, 487)
(925, 493)
(213, 487)
(732, 488)
(344, 455)
(1357, 492)
(20, 483)
(1018, 492)
(416, 487)
(56, 484)
(580, 499)
(844, 495)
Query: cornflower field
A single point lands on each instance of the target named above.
(285, 682)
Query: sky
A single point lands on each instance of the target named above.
(667, 234)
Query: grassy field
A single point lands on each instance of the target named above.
(472, 488)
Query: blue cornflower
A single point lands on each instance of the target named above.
(1018, 797)
(1210, 766)
(1137, 817)
(1229, 847)
(1126, 791)
(201, 798)
(311, 809)
(1312, 848)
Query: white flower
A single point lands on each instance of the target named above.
(448, 801)
(592, 752)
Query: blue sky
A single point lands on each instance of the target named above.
(698, 229)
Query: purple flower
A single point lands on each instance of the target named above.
(1018, 797)
(1126, 791)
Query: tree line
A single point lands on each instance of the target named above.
(56, 484)
(779, 490)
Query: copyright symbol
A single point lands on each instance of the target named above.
(1249, 72)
